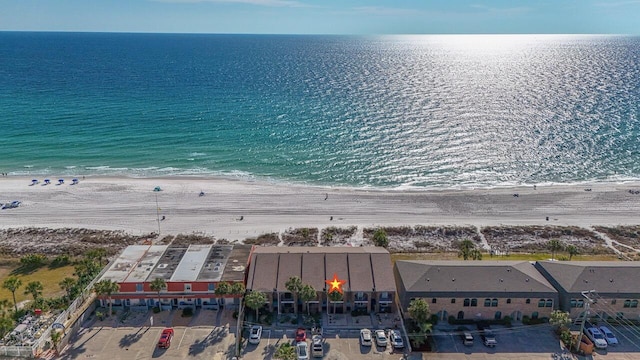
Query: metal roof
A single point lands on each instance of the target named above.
(191, 263)
(134, 264)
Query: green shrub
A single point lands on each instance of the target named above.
(434, 319)
(235, 314)
(61, 260)
(156, 309)
(187, 312)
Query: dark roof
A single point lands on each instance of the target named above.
(364, 268)
(602, 276)
(236, 265)
(471, 276)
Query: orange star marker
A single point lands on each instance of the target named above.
(336, 284)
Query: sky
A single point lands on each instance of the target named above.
(325, 16)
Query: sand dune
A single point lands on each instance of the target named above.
(129, 204)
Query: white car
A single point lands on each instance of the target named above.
(608, 335)
(381, 338)
(396, 339)
(365, 337)
(302, 349)
(596, 336)
(255, 334)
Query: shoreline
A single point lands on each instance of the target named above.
(234, 209)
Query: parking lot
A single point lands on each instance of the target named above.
(195, 338)
(338, 345)
(524, 342)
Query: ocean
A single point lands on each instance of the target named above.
(394, 112)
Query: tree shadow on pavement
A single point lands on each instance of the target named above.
(215, 336)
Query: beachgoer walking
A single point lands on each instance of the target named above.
(326, 196)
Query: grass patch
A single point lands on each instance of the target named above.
(49, 277)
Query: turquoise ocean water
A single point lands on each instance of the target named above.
(388, 111)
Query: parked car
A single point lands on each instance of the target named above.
(381, 338)
(596, 336)
(465, 336)
(302, 349)
(317, 346)
(487, 335)
(365, 337)
(165, 338)
(301, 335)
(608, 335)
(255, 334)
(396, 339)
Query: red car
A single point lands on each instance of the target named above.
(301, 335)
(165, 338)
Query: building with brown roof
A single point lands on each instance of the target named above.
(367, 271)
(476, 289)
(613, 287)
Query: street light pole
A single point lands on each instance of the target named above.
(158, 215)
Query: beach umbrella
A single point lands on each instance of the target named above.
(61, 181)
(74, 181)
(46, 181)
(157, 188)
(34, 181)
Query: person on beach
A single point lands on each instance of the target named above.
(326, 196)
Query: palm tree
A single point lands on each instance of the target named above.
(464, 249)
(106, 288)
(308, 293)
(97, 254)
(223, 288)
(12, 284)
(335, 296)
(572, 250)
(56, 336)
(554, 245)
(255, 300)
(157, 285)
(67, 284)
(6, 324)
(35, 289)
(419, 310)
(475, 254)
(237, 288)
(293, 285)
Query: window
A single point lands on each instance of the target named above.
(528, 301)
(541, 303)
(534, 315)
(433, 301)
(187, 287)
(494, 303)
(627, 303)
(212, 287)
(580, 303)
(474, 302)
(139, 287)
(467, 302)
(634, 303)
(574, 303)
(613, 301)
(453, 301)
(508, 301)
(549, 303)
(487, 302)
(619, 315)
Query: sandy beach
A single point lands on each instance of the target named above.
(129, 204)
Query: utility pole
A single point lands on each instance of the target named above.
(587, 305)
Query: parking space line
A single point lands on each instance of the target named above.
(183, 334)
(113, 330)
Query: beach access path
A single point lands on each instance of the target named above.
(237, 209)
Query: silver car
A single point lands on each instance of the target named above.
(381, 338)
